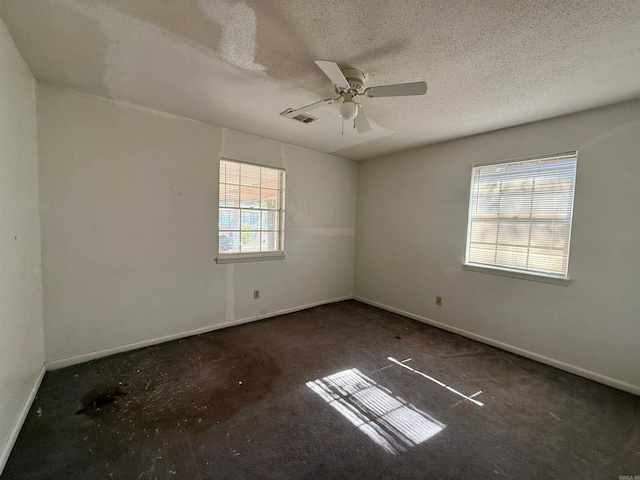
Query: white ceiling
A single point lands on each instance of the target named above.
(488, 63)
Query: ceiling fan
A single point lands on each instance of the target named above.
(349, 83)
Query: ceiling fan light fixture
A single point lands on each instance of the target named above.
(349, 83)
(348, 110)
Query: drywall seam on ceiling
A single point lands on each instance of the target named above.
(238, 42)
(108, 17)
(597, 377)
(123, 103)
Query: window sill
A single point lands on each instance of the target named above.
(249, 257)
(521, 275)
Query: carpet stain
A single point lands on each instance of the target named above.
(197, 392)
(97, 398)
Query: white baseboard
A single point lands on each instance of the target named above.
(85, 357)
(15, 431)
(612, 382)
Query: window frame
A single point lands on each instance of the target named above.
(234, 257)
(518, 272)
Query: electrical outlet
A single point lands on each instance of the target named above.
(256, 294)
(438, 300)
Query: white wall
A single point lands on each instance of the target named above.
(21, 341)
(129, 227)
(411, 233)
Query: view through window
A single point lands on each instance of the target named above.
(251, 208)
(520, 215)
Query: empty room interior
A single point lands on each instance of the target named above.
(297, 239)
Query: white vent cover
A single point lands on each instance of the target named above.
(301, 117)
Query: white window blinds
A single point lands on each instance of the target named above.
(251, 208)
(520, 215)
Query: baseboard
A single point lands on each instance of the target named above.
(85, 357)
(597, 377)
(11, 441)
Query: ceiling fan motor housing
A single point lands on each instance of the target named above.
(355, 78)
(349, 83)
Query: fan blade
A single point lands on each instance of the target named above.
(361, 123)
(397, 90)
(308, 108)
(332, 70)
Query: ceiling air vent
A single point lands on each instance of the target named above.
(301, 117)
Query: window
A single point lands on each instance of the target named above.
(520, 215)
(251, 209)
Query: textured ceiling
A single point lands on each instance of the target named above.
(488, 63)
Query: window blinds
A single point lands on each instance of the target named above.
(251, 208)
(520, 215)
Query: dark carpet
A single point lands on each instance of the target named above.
(339, 391)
